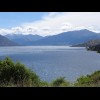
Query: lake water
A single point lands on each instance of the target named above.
(51, 62)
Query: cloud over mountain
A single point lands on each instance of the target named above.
(57, 22)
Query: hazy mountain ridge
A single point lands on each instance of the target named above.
(23, 39)
(6, 42)
(66, 38)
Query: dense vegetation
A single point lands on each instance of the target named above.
(60, 82)
(92, 42)
(18, 75)
(92, 80)
(94, 48)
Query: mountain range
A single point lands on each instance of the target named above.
(66, 38)
(23, 39)
(6, 42)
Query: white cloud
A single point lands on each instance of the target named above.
(57, 22)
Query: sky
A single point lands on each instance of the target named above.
(47, 23)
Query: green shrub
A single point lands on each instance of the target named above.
(89, 80)
(44, 84)
(83, 81)
(17, 74)
(60, 82)
(95, 78)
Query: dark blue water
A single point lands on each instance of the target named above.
(51, 62)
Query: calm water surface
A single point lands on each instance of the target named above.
(51, 62)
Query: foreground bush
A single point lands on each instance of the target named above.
(92, 80)
(16, 74)
(60, 82)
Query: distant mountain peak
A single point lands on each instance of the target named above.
(87, 30)
(82, 30)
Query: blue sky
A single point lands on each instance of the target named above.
(48, 23)
(11, 19)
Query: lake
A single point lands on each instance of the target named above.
(51, 62)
